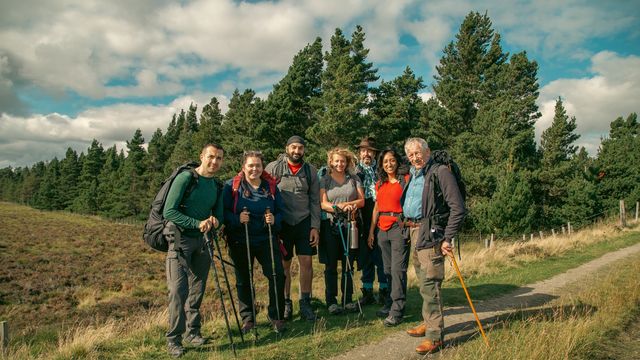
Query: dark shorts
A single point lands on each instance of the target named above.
(298, 236)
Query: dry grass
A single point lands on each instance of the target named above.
(575, 326)
(56, 280)
(477, 261)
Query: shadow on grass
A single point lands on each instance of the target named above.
(468, 330)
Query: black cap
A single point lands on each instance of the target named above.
(296, 139)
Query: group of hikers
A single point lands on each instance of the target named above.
(370, 209)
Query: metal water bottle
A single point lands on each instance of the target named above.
(353, 231)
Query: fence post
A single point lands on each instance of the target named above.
(524, 237)
(563, 230)
(553, 232)
(486, 243)
(569, 228)
(623, 215)
(491, 243)
(637, 205)
(541, 235)
(4, 335)
(531, 239)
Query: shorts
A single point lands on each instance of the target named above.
(298, 236)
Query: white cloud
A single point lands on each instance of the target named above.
(26, 140)
(596, 101)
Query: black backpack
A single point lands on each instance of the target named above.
(441, 157)
(156, 222)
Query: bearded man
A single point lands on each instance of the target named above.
(300, 191)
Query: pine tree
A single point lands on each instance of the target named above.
(466, 75)
(396, 109)
(133, 175)
(291, 106)
(511, 210)
(48, 197)
(70, 176)
(112, 194)
(244, 128)
(345, 87)
(209, 128)
(556, 170)
(86, 201)
(619, 163)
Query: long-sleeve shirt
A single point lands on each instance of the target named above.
(199, 205)
(256, 201)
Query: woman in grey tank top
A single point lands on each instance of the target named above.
(341, 193)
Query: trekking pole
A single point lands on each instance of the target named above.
(273, 269)
(224, 308)
(253, 290)
(455, 266)
(346, 268)
(226, 280)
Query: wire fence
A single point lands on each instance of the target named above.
(619, 216)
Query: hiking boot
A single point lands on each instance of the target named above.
(306, 311)
(428, 347)
(288, 309)
(175, 350)
(418, 331)
(382, 296)
(335, 309)
(392, 320)
(384, 312)
(247, 327)
(367, 297)
(351, 307)
(278, 326)
(195, 340)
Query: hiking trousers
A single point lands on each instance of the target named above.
(369, 260)
(395, 255)
(430, 279)
(186, 281)
(262, 253)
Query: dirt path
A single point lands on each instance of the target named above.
(460, 323)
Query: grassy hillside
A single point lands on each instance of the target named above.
(62, 270)
(79, 287)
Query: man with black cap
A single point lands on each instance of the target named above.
(300, 191)
(369, 260)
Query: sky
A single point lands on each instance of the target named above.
(75, 70)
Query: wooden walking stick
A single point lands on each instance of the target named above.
(455, 266)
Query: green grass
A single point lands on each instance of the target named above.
(597, 319)
(489, 286)
(66, 272)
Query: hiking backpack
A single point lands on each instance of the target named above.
(441, 157)
(156, 222)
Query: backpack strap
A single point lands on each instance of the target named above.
(235, 186)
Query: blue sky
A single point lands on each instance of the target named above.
(74, 70)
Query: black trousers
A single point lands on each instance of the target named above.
(262, 253)
(369, 260)
(395, 246)
(333, 243)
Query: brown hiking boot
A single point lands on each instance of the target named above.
(417, 331)
(428, 346)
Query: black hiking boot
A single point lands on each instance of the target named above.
(367, 297)
(382, 296)
(306, 311)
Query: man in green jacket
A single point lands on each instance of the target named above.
(187, 263)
